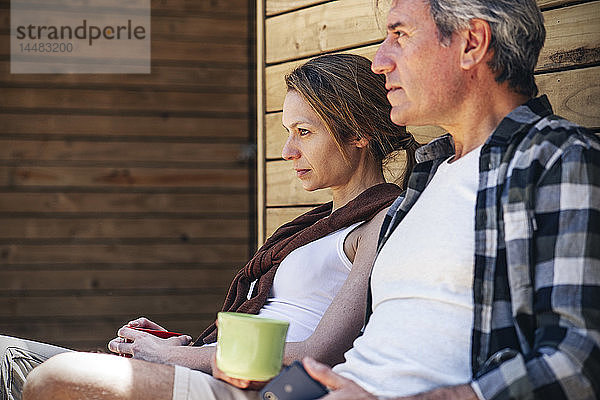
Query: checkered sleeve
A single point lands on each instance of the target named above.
(559, 298)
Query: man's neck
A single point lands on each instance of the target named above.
(481, 113)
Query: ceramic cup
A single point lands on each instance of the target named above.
(250, 347)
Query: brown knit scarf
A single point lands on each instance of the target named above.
(306, 228)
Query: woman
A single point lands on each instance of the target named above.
(337, 116)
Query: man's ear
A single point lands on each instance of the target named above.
(476, 39)
(360, 142)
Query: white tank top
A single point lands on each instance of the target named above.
(419, 335)
(306, 282)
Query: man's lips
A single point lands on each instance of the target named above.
(394, 93)
(300, 172)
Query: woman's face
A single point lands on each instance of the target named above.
(318, 162)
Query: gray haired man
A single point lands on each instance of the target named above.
(487, 280)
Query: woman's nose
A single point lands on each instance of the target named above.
(290, 151)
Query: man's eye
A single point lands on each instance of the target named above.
(303, 132)
(398, 35)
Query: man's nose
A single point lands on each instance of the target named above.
(382, 62)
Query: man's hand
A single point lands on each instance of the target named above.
(341, 387)
(145, 346)
(239, 383)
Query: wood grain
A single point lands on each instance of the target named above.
(163, 78)
(201, 27)
(572, 37)
(94, 280)
(123, 204)
(192, 51)
(235, 9)
(124, 306)
(321, 28)
(574, 94)
(150, 152)
(228, 255)
(281, 6)
(137, 228)
(124, 100)
(219, 28)
(99, 177)
(142, 128)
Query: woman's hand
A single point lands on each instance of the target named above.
(239, 383)
(145, 346)
(143, 322)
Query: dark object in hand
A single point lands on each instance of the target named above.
(155, 332)
(293, 383)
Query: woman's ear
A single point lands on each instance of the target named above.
(360, 142)
(476, 39)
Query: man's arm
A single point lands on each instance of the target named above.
(564, 359)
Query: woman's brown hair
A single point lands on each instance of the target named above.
(351, 100)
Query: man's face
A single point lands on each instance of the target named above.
(423, 76)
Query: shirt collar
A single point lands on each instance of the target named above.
(442, 146)
(519, 119)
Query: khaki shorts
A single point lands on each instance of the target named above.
(195, 385)
(18, 358)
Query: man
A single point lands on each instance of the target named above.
(511, 311)
(489, 286)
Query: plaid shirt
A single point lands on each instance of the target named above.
(536, 288)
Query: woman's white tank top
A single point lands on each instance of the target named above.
(306, 282)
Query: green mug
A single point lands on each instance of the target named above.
(250, 347)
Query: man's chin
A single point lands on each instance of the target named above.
(398, 118)
(310, 189)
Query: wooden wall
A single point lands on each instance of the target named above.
(127, 195)
(568, 71)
